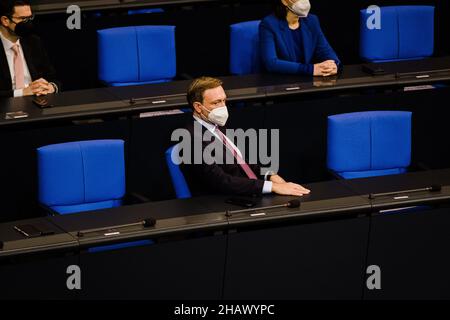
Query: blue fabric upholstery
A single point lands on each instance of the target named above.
(371, 173)
(117, 246)
(407, 32)
(365, 144)
(178, 181)
(244, 48)
(87, 206)
(81, 176)
(145, 11)
(136, 55)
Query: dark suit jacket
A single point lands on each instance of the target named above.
(227, 179)
(277, 45)
(37, 61)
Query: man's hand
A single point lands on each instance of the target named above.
(39, 87)
(325, 69)
(289, 189)
(277, 179)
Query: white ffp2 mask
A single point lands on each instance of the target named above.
(218, 116)
(301, 8)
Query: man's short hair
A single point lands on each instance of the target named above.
(7, 6)
(198, 87)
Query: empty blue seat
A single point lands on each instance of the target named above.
(367, 144)
(405, 33)
(178, 181)
(81, 176)
(244, 48)
(136, 55)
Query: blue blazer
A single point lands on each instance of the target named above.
(277, 45)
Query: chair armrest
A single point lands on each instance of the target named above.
(135, 198)
(334, 175)
(46, 211)
(420, 166)
(185, 76)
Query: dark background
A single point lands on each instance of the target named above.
(202, 33)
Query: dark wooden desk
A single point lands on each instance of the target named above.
(320, 250)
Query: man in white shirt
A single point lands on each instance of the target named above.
(208, 101)
(24, 64)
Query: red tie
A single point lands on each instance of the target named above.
(248, 171)
(18, 67)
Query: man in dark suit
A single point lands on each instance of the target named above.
(207, 99)
(24, 64)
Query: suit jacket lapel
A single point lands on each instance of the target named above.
(307, 41)
(29, 59)
(4, 67)
(286, 33)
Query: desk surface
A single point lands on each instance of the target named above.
(330, 200)
(60, 6)
(172, 95)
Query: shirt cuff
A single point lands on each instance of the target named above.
(18, 93)
(268, 174)
(267, 188)
(55, 86)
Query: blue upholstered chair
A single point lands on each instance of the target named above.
(136, 55)
(178, 181)
(84, 176)
(81, 176)
(367, 144)
(244, 48)
(406, 33)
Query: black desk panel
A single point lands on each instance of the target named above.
(60, 6)
(323, 260)
(65, 106)
(35, 268)
(409, 237)
(185, 261)
(317, 251)
(186, 269)
(170, 95)
(411, 249)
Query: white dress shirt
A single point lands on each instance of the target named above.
(7, 45)
(267, 188)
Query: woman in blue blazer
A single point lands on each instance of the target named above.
(292, 41)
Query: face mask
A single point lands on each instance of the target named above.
(23, 29)
(301, 8)
(218, 116)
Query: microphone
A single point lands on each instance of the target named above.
(147, 223)
(290, 204)
(433, 188)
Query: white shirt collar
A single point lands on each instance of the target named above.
(211, 127)
(8, 44)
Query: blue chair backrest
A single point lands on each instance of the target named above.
(366, 144)
(178, 181)
(81, 176)
(244, 48)
(145, 11)
(407, 32)
(136, 55)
